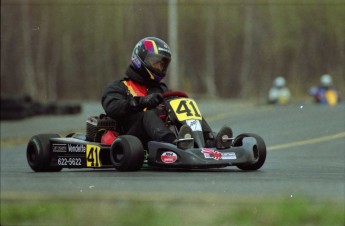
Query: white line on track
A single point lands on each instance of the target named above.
(306, 142)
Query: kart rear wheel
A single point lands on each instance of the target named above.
(38, 153)
(259, 151)
(127, 153)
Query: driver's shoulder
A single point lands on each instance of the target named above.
(163, 87)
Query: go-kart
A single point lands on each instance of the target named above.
(103, 145)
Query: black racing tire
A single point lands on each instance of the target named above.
(259, 151)
(16, 107)
(38, 153)
(62, 108)
(127, 153)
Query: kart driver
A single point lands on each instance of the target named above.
(325, 93)
(132, 101)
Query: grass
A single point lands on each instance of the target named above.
(164, 210)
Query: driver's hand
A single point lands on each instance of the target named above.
(151, 101)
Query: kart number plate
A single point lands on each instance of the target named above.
(92, 156)
(185, 109)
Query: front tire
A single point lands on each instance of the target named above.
(259, 151)
(127, 153)
(38, 153)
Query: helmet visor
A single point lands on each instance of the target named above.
(157, 63)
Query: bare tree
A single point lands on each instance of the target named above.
(248, 50)
(29, 72)
(211, 89)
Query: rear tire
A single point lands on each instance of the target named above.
(127, 153)
(38, 153)
(259, 151)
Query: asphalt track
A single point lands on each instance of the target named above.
(306, 157)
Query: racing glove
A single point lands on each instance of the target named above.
(149, 101)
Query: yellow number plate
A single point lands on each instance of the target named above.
(92, 156)
(185, 109)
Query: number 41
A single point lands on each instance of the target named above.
(93, 156)
(183, 108)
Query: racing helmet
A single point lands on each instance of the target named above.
(151, 57)
(326, 80)
(279, 81)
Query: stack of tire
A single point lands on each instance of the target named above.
(23, 106)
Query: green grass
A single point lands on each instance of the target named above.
(164, 210)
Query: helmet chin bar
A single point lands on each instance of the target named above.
(153, 76)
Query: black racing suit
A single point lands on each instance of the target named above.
(146, 125)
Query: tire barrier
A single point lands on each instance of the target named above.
(23, 106)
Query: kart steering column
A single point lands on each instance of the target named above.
(199, 139)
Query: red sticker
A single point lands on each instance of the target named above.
(211, 154)
(169, 157)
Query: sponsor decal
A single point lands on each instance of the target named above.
(59, 148)
(229, 155)
(76, 148)
(212, 154)
(195, 125)
(169, 157)
(136, 62)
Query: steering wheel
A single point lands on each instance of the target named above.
(175, 94)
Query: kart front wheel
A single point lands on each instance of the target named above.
(38, 153)
(127, 153)
(259, 151)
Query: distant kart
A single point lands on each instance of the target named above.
(103, 146)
